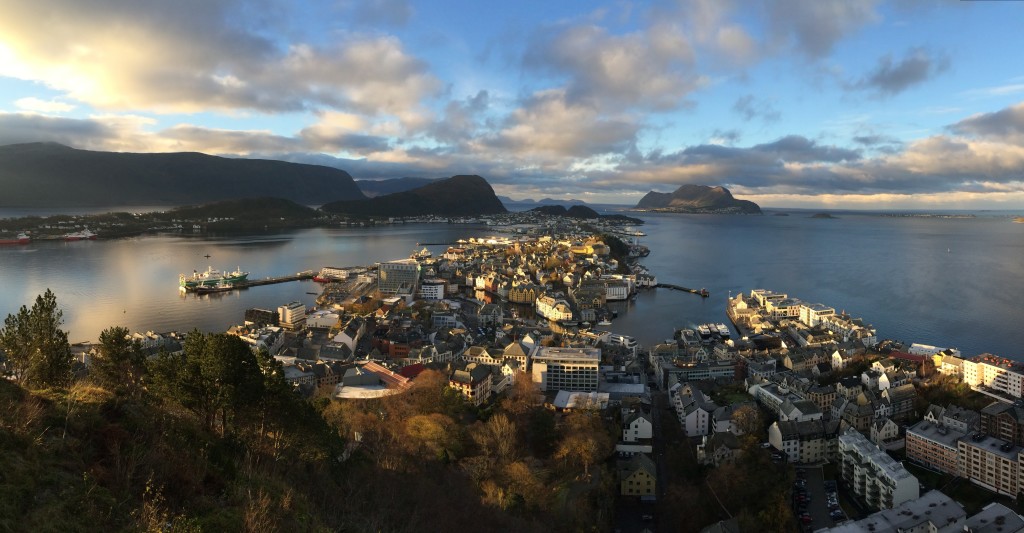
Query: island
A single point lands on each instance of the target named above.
(697, 199)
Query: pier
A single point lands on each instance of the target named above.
(301, 276)
(703, 293)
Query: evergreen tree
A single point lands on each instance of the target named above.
(120, 364)
(215, 377)
(38, 352)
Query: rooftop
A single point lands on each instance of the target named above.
(934, 507)
(935, 433)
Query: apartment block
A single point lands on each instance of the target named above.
(569, 369)
(872, 474)
(990, 462)
(934, 445)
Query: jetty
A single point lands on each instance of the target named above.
(703, 293)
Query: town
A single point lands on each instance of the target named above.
(834, 429)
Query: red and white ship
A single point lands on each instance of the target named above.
(20, 239)
(84, 235)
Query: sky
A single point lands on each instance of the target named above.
(912, 104)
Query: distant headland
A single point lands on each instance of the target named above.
(697, 199)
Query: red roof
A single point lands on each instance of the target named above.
(907, 356)
(390, 379)
(412, 371)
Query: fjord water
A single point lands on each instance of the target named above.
(895, 272)
(943, 281)
(134, 282)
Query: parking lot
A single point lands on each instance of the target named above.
(814, 503)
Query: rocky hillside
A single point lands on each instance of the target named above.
(455, 196)
(697, 199)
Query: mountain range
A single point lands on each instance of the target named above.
(54, 175)
(697, 199)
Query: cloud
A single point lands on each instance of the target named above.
(43, 106)
(122, 133)
(207, 55)
(649, 69)
(1007, 122)
(814, 28)
(889, 78)
(462, 119)
(750, 108)
(550, 125)
(720, 136)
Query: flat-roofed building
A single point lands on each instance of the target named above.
(398, 276)
(934, 445)
(292, 315)
(996, 373)
(990, 462)
(814, 314)
(877, 478)
(432, 289)
(569, 369)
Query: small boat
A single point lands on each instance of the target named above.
(20, 239)
(220, 287)
(604, 323)
(704, 293)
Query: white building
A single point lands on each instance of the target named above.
(875, 476)
(568, 369)
(695, 411)
(637, 426)
(292, 315)
(432, 289)
(814, 314)
(553, 308)
(996, 373)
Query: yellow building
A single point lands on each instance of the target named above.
(637, 476)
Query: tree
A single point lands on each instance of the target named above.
(120, 363)
(584, 440)
(498, 438)
(747, 419)
(215, 377)
(38, 352)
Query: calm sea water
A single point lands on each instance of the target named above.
(947, 282)
(134, 282)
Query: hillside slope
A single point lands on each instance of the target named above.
(455, 196)
(54, 175)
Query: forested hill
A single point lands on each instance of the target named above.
(455, 196)
(54, 175)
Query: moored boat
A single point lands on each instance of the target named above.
(211, 278)
(84, 235)
(22, 238)
(219, 287)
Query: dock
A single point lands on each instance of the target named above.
(703, 293)
(301, 276)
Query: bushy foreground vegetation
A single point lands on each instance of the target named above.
(214, 439)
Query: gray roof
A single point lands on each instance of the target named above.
(995, 517)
